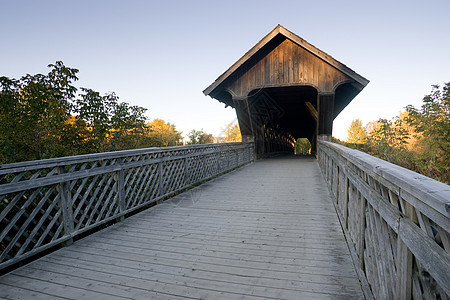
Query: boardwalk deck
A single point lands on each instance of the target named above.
(265, 231)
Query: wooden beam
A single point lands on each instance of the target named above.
(243, 115)
(312, 110)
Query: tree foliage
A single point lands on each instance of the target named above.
(45, 116)
(33, 112)
(432, 124)
(302, 146)
(418, 139)
(164, 134)
(199, 137)
(233, 133)
(356, 133)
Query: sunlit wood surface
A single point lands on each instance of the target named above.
(268, 230)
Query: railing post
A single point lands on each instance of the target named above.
(121, 193)
(404, 261)
(161, 179)
(404, 271)
(186, 171)
(229, 152)
(66, 207)
(203, 167)
(346, 199)
(361, 229)
(219, 158)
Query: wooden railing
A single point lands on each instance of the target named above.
(45, 203)
(396, 223)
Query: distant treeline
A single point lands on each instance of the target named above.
(417, 139)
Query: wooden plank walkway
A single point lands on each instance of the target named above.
(266, 231)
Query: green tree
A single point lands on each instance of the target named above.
(33, 112)
(302, 146)
(418, 139)
(95, 110)
(356, 133)
(42, 116)
(199, 137)
(233, 133)
(432, 121)
(382, 139)
(129, 129)
(164, 134)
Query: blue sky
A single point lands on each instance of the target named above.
(162, 54)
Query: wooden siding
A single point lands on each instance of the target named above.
(265, 231)
(287, 64)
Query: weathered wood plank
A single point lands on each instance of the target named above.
(122, 267)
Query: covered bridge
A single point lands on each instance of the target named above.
(285, 88)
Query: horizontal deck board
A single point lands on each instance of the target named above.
(265, 231)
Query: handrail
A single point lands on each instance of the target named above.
(396, 222)
(47, 202)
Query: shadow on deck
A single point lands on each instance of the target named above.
(267, 230)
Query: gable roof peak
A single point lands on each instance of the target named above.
(279, 29)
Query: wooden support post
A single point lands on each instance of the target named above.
(313, 141)
(404, 260)
(161, 179)
(404, 271)
(186, 171)
(66, 207)
(361, 229)
(120, 190)
(325, 124)
(346, 200)
(243, 115)
(204, 165)
(219, 157)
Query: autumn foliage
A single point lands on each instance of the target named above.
(418, 139)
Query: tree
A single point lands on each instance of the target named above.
(432, 121)
(382, 139)
(356, 133)
(95, 110)
(418, 139)
(129, 129)
(199, 137)
(33, 111)
(164, 134)
(233, 133)
(302, 146)
(42, 116)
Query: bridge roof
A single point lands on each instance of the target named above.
(280, 30)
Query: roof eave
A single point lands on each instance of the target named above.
(243, 59)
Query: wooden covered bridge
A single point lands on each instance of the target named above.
(285, 88)
(211, 222)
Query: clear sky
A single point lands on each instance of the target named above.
(162, 54)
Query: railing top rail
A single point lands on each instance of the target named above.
(67, 160)
(434, 193)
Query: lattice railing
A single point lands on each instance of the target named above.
(396, 222)
(47, 202)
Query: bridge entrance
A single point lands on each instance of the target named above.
(279, 117)
(283, 89)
